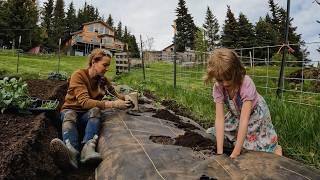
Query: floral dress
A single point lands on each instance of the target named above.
(261, 135)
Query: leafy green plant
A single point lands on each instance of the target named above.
(13, 94)
(57, 76)
(49, 105)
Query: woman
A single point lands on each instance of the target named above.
(80, 113)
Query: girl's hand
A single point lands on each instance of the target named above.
(234, 155)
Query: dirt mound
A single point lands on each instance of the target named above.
(147, 93)
(24, 145)
(166, 115)
(43, 89)
(178, 109)
(194, 140)
(308, 73)
(166, 140)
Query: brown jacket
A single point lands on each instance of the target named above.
(85, 93)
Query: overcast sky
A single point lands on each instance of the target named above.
(153, 18)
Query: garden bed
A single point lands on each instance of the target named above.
(25, 138)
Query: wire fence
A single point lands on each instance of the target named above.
(301, 82)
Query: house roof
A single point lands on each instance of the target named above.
(77, 32)
(171, 45)
(98, 21)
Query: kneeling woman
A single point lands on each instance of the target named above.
(80, 113)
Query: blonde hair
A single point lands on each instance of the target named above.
(97, 54)
(224, 64)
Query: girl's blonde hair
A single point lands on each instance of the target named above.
(97, 54)
(224, 64)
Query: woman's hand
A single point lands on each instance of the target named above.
(121, 104)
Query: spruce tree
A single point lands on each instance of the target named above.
(245, 32)
(110, 21)
(21, 19)
(279, 16)
(47, 16)
(58, 22)
(211, 30)
(133, 46)
(265, 34)
(87, 14)
(185, 28)
(71, 19)
(3, 23)
(200, 43)
(229, 37)
(119, 31)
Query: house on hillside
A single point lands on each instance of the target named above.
(170, 48)
(94, 34)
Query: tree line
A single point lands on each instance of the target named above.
(237, 32)
(47, 24)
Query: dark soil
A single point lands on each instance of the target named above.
(166, 115)
(147, 93)
(166, 140)
(194, 140)
(24, 145)
(178, 109)
(308, 73)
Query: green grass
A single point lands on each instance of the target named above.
(40, 66)
(297, 125)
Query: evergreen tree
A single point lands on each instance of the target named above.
(118, 34)
(3, 23)
(265, 34)
(71, 19)
(133, 47)
(200, 43)
(58, 22)
(245, 32)
(47, 16)
(229, 37)
(87, 14)
(278, 23)
(125, 35)
(211, 30)
(275, 16)
(21, 18)
(185, 28)
(110, 21)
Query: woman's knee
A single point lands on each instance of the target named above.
(94, 113)
(68, 117)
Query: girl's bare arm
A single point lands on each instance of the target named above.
(219, 126)
(243, 127)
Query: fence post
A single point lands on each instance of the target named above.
(174, 62)
(281, 77)
(18, 54)
(59, 55)
(142, 59)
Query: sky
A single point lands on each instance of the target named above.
(153, 18)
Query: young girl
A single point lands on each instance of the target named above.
(248, 120)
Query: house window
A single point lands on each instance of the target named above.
(78, 38)
(91, 27)
(101, 30)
